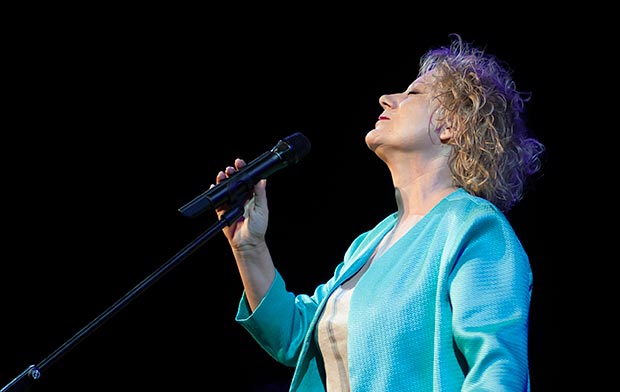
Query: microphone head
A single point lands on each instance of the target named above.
(298, 147)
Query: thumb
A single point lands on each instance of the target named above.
(260, 193)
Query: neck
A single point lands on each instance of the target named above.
(420, 184)
(415, 201)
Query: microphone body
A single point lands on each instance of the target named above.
(240, 185)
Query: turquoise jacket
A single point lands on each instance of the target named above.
(444, 309)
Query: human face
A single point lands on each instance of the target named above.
(406, 123)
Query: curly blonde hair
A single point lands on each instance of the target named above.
(493, 154)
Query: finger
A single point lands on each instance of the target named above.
(230, 171)
(239, 163)
(221, 176)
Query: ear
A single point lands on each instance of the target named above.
(445, 134)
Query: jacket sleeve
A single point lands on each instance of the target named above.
(490, 293)
(283, 322)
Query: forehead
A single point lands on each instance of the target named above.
(423, 81)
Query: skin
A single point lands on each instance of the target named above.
(415, 154)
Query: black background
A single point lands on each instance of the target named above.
(123, 117)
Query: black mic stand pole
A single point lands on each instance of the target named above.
(26, 379)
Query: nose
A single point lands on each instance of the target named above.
(387, 101)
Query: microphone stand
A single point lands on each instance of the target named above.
(26, 379)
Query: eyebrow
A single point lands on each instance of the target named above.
(417, 86)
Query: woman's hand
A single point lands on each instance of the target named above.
(249, 230)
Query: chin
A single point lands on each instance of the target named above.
(370, 140)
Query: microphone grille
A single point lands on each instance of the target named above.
(299, 146)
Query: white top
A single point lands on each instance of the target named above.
(332, 333)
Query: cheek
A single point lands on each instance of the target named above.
(421, 115)
(434, 125)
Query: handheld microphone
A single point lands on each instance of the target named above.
(239, 186)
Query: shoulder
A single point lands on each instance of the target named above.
(465, 216)
(465, 206)
(463, 199)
